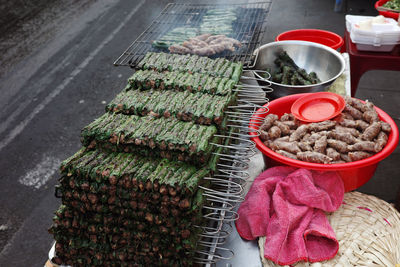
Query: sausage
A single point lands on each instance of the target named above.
(315, 157)
(372, 131)
(338, 145)
(386, 127)
(333, 154)
(287, 117)
(370, 116)
(274, 132)
(268, 121)
(320, 144)
(304, 146)
(355, 113)
(264, 135)
(284, 128)
(361, 125)
(343, 136)
(363, 146)
(352, 131)
(381, 141)
(359, 155)
(299, 133)
(287, 146)
(322, 126)
(286, 154)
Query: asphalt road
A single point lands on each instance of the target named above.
(56, 81)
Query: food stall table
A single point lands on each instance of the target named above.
(363, 61)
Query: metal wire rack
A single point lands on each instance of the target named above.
(248, 29)
(225, 191)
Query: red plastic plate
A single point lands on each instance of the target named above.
(318, 107)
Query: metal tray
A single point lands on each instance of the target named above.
(248, 29)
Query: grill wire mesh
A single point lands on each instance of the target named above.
(248, 29)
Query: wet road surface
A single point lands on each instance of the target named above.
(55, 79)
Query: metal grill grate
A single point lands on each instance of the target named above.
(247, 28)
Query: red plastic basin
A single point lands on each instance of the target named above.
(387, 14)
(313, 35)
(354, 174)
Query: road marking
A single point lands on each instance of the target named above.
(18, 77)
(41, 173)
(21, 126)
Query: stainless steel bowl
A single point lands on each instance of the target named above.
(326, 62)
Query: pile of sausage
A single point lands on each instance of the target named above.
(357, 133)
(205, 45)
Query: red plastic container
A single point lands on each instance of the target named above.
(387, 14)
(313, 35)
(354, 174)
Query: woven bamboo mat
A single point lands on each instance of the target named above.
(368, 231)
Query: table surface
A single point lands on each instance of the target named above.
(246, 253)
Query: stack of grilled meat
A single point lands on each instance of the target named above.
(131, 195)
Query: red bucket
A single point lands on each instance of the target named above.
(388, 14)
(354, 174)
(313, 35)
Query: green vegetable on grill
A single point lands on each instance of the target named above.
(143, 134)
(149, 79)
(175, 36)
(189, 63)
(218, 21)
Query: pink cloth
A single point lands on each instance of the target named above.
(286, 205)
